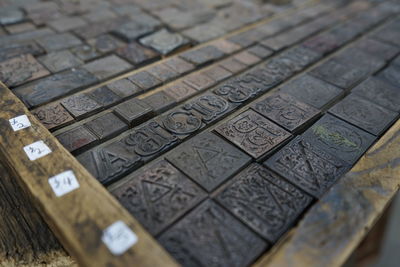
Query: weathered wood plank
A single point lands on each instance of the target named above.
(78, 218)
(25, 239)
(333, 228)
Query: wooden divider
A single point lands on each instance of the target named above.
(79, 217)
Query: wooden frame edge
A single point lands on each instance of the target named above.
(79, 217)
(333, 228)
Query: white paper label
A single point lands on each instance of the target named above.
(37, 150)
(20, 122)
(63, 183)
(118, 237)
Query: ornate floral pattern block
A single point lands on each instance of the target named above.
(286, 111)
(253, 133)
(210, 236)
(264, 201)
(308, 167)
(208, 159)
(157, 195)
(52, 115)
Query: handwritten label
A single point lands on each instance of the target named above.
(37, 150)
(20, 122)
(63, 183)
(118, 237)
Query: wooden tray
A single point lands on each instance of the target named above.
(326, 236)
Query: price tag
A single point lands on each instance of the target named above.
(37, 150)
(118, 237)
(63, 183)
(20, 122)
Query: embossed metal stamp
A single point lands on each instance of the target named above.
(208, 107)
(264, 201)
(208, 159)
(210, 236)
(307, 166)
(157, 195)
(181, 122)
(109, 162)
(80, 105)
(339, 138)
(286, 111)
(52, 115)
(253, 133)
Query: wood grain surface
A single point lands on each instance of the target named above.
(25, 239)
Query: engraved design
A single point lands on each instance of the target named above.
(209, 107)
(113, 161)
(158, 195)
(284, 66)
(118, 163)
(240, 90)
(338, 137)
(253, 133)
(312, 169)
(18, 70)
(210, 236)
(207, 159)
(264, 201)
(125, 154)
(149, 140)
(271, 73)
(52, 115)
(285, 110)
(181, 122)
(79, 104)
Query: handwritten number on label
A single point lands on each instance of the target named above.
(20, 122)
(18, 125)
(63, 183)
(37, 150)
(118, 237)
